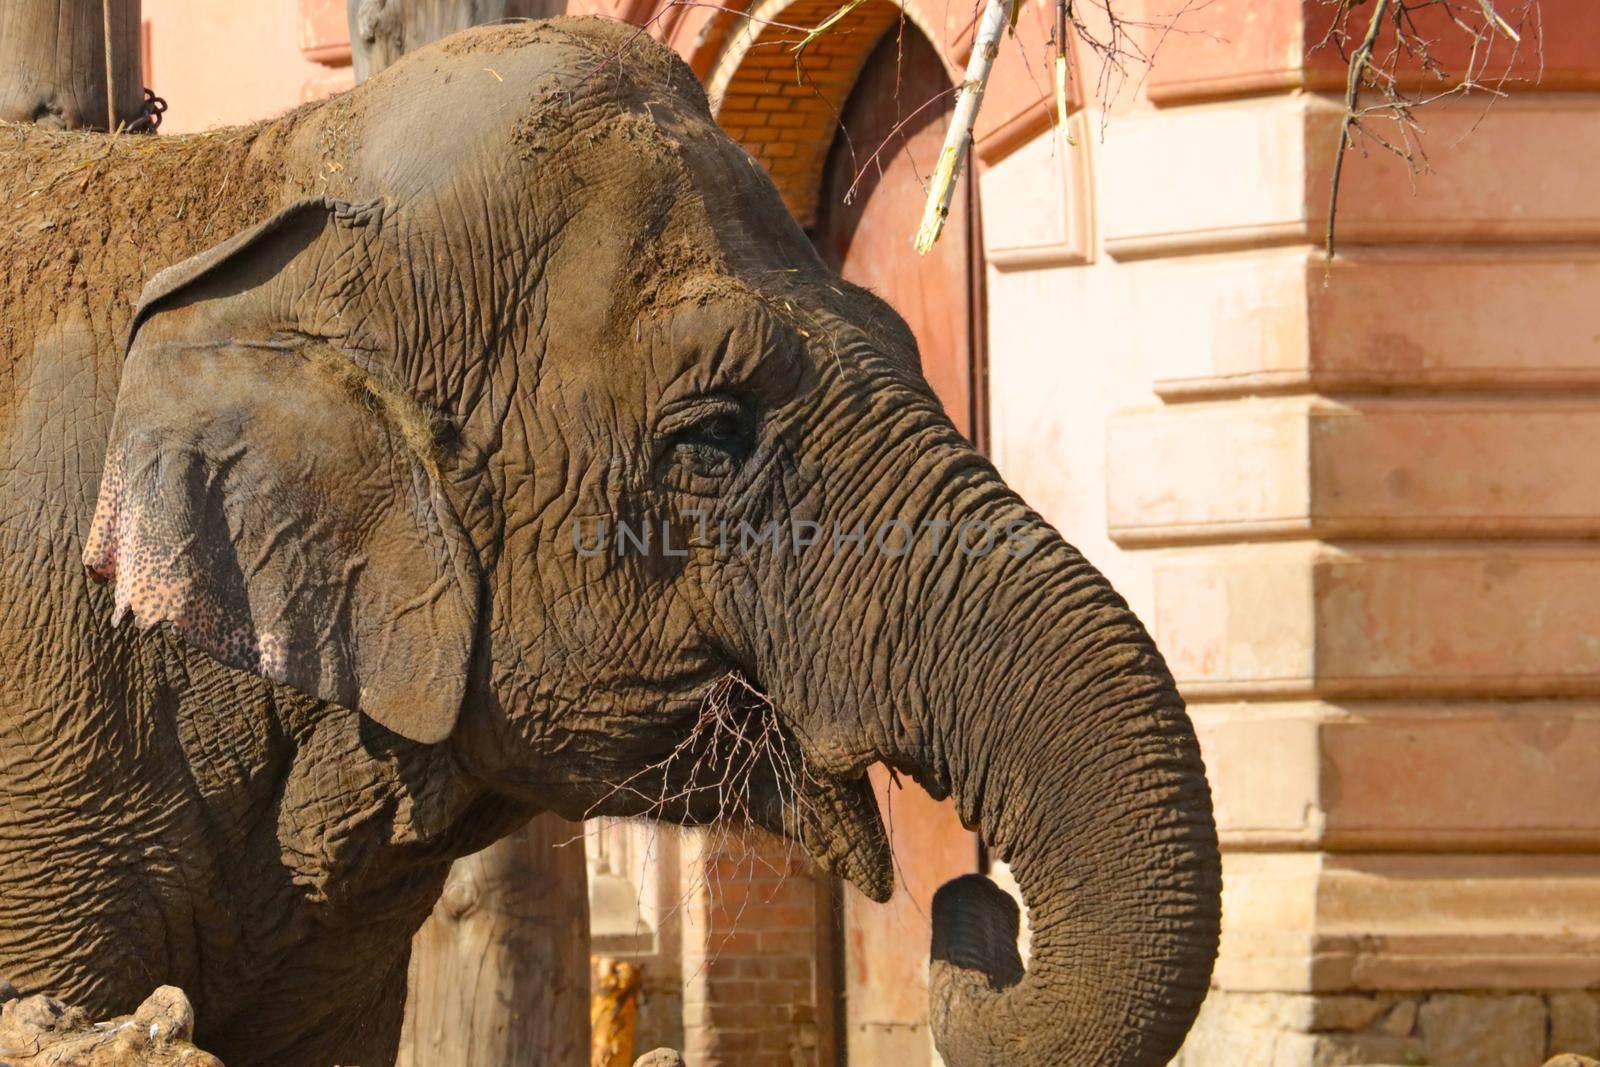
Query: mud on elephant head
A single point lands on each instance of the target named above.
(541, 432)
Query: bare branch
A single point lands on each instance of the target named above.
(1358, 72)
(958, 139)
(1381, 71)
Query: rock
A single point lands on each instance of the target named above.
(1482, 1031)
(1401, 1021)
(1572, 1061)
(1345, 1013)
(167, 1012)
(41, 1031)
(1574, 1023)
(38, 1013)
(661, 1057)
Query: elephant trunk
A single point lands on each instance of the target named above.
(1050, 716)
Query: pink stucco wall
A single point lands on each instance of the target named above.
(221, 64)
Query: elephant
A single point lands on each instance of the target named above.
(489, 440)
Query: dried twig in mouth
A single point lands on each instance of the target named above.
(737, 755)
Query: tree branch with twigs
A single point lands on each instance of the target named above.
(1392, 69)
(1118, 49)
(1391, 44)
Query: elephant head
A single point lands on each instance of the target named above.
(540, 432)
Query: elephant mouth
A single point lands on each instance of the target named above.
(837, 822)
(741, 763)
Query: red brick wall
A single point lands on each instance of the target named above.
(757, 959)
(783, 104)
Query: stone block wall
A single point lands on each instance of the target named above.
(1483, 1029)
(1356, 503)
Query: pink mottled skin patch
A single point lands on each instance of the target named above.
(273, 656)
(149, 580)
(140, 552)
(100, 551)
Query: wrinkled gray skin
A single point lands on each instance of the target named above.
(517, 280)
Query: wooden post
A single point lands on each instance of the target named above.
(500, 971)
(381, 31)
(53, 62)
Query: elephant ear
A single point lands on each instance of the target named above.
(276, 504)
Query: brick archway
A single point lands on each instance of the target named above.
(783, 102)
(1016, 107)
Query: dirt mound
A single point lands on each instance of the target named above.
(41, 1031)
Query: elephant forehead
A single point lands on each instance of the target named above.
(506, 92)
(599, 50)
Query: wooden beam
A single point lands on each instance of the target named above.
(500, 971)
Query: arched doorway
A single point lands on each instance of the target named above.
(873, 185)
(891, 129)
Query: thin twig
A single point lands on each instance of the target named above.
(1498, 20)
(861, 171)
(735, 752)
(1368, 69)
(1352, 95)
(1063, 20)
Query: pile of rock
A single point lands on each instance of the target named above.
(41, 1031)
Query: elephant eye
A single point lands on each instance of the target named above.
(705, 443)
(715, 422)
(724, 431)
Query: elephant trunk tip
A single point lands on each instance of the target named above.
(975, 928)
